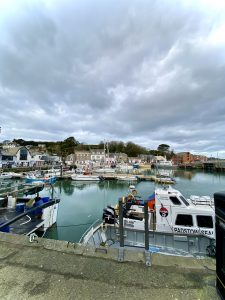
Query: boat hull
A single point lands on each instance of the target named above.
(165, 243)
(51, 180)
(85, 178)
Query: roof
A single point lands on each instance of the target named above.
(97, 150)
(12, 151)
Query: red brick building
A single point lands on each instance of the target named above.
(187, 158)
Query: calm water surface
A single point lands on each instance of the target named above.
(82, 203)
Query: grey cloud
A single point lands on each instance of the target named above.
(133, 70)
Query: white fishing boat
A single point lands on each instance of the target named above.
(5, 175)
(16, 175)
(124, 168)
(164, 164)
(176, 225)
(82, 177)
(52, 172)
(104, 170)
(126, 178)
(165, 179)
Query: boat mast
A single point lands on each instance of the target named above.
(104, 154)
(107, 144)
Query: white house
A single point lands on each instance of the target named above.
(98, 155)
(16, 156)
(37, 159)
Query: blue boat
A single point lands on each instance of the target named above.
(31, 178)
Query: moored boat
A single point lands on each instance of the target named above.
(175, 224)
(30, 178)
(27, 215)
(5, 175)
(165, 179)
(83, 177)
(126, 178)
(104, 170)
(164, 164)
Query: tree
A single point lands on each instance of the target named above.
(71, 142)
(134, 150)
(68, 146)
(163, 148)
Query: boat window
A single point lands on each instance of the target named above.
(205, 221)
(175, 200)
(184, 200)
(184, 220)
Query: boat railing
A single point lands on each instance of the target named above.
(202, 200)
(90, 230)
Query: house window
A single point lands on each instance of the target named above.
(7, 157)
(23, 154)
(184, 220)
(205, 221)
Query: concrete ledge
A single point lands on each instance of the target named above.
(50, 269)
(137, 256)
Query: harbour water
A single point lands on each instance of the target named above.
(82, 203)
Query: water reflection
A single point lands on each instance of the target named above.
(184, 174)
(66, 187)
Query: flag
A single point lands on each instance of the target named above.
(151, 201)
(151, 197)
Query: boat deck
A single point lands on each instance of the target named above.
(23, 225)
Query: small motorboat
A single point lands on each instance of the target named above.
(83, 177)
(30, 178)
(126, 178)
(5, 175)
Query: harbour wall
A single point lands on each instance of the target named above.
(52, 269)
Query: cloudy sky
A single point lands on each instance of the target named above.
(147, 71)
